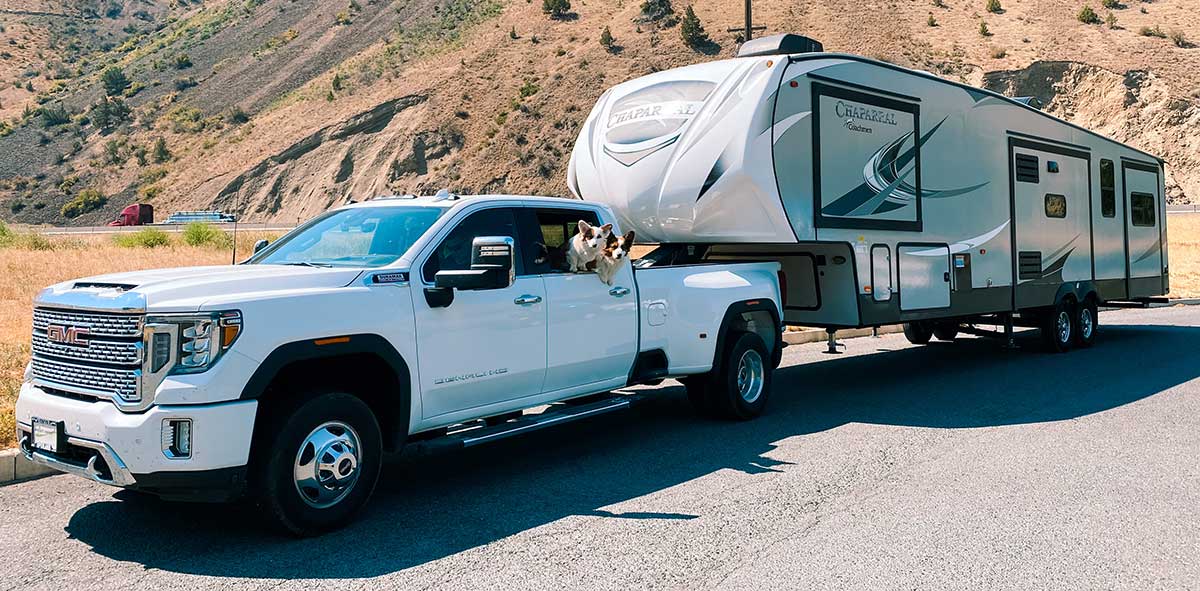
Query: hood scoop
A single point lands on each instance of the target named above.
(101, 285)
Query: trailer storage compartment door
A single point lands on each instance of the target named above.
(924, 276)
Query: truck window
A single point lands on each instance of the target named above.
(454, 252)
(547, 251)
(1108, 189)
(1141, 209)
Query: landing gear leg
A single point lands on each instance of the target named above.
(832, 348)
(1009, 342)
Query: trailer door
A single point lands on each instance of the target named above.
(1143, 203)
(924, 276)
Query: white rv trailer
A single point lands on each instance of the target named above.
(889, 195)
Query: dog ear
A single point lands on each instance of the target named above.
(585, 229)
(629, 239)
(606, 229)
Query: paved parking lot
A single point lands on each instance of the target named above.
(949, 466)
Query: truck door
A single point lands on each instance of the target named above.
(1142, 201)
(593, 326)
(487, 347)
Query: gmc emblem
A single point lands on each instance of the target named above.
(67, 335)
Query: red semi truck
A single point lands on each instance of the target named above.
(138, 214)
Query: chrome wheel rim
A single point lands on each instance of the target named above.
(327, 465)
(1064, 327)
(1085, 323)
(750, 376)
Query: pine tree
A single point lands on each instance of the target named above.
(606, 39)
(692, 31)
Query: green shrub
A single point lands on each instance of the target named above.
(1111, 4)
(984, 31)
(144, 238)
(186, 119)
(993, 6)
(657, 10)
(528, 89)
(114, 81)
(152, 175)
(6, 235)
(1154, 31)
(1178, 38)
(160, 153)
(32, 241)
(931, 21)
(202, 234)
(87, 200)
(109, 113)
(556, 8)
(1088, 16)
(691, 31)
(1110, 19)
(54, 115)
(183, 62)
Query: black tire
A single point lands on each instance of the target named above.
(1087, 322)
(327, 503)
(945, 331)
(918, 333)
(1058, 327)
(738, 390)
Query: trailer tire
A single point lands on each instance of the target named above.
(335, 429)
(918, 333)
(1087, 321)
(945, 331)
(1058, 327)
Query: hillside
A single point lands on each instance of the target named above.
(280, 109)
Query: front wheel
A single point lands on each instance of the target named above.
(918, 333)
(322, 464)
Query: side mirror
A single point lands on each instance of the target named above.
(261, 244)
(492, 266)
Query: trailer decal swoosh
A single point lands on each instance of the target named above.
(1145, 255)
(964, 245)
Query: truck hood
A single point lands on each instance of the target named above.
(187, 288)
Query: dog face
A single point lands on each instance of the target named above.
(618, 247)
(593, 237)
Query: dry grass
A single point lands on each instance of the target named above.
(25, 272)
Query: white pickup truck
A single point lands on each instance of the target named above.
(397, 321)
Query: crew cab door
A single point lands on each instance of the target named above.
(488, 347)
(592, 326)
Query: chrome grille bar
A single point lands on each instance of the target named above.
(100, 382)
(102, 351)
(98, 324)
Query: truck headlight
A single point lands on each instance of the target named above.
(201, 339)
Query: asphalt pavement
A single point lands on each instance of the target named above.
(949, 466)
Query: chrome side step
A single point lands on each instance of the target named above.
(476, 433)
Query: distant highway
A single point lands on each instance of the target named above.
(1183, 208)
(164, 227)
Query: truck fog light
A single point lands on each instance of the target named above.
(177, 438)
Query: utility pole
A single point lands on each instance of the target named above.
(748, 30)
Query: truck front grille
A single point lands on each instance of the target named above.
(95, 354)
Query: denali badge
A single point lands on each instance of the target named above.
(67, 335)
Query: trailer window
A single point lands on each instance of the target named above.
(1056, 205)
(1108, 189)
(1027, 169)
(1141, 209)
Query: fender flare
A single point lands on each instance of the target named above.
(333, 347)
(1080, 290)
(737, 308)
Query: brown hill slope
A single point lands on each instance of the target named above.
(284, 112)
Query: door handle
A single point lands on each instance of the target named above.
(527, 300)
(618, 292)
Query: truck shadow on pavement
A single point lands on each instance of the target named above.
(430, 508)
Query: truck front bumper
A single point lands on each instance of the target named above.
(111, 447)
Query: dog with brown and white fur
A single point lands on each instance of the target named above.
(585, 246)
(614, 254)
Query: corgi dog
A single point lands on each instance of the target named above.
(586, 245)
(614, 254)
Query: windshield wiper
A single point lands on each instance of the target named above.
(307, 264)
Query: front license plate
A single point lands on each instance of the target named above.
(47, 434)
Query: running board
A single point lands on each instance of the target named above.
(476, 433)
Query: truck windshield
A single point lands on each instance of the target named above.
(355, 237)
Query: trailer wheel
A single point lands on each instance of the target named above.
(918, 333)
(1058, 327)
(321, 465)
(945, 331)
(1086, 322)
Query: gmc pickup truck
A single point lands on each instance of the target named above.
(418, 321)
